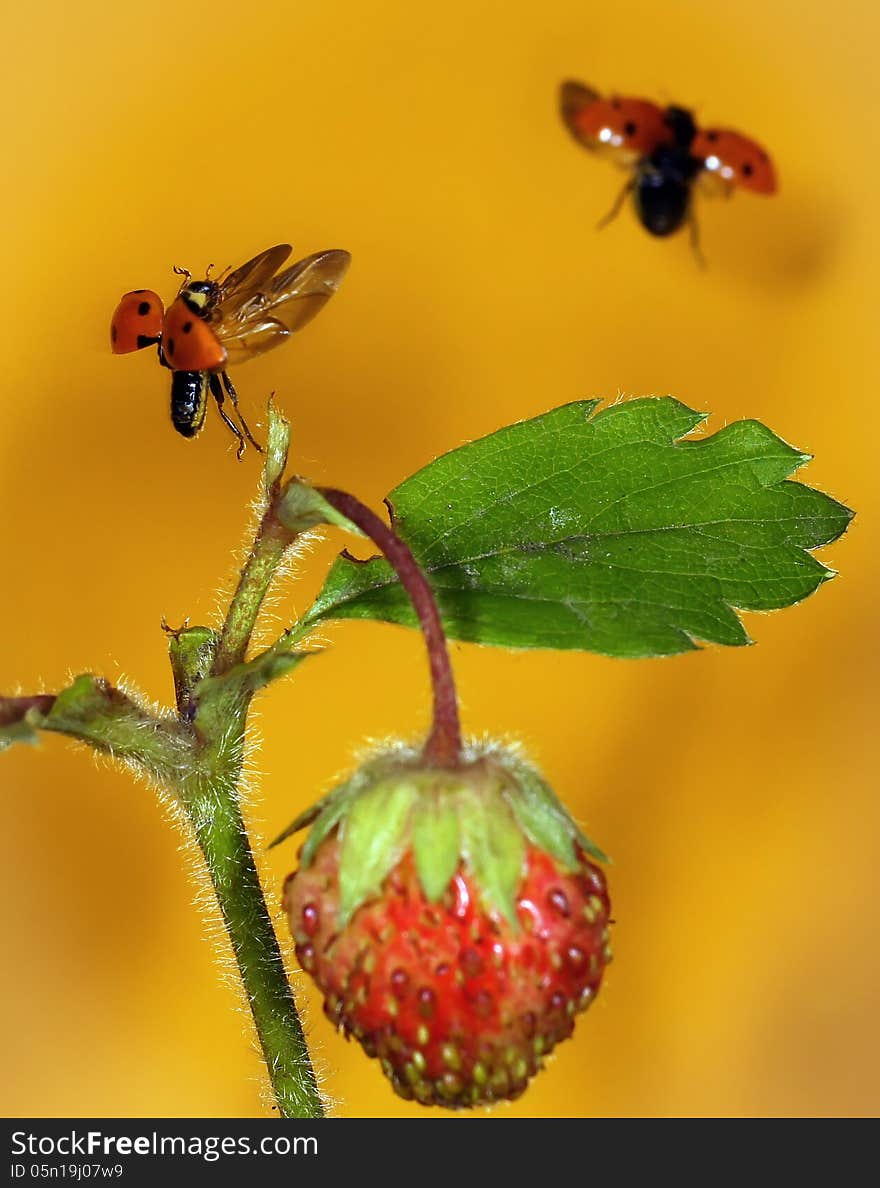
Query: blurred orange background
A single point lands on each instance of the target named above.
(735, 789)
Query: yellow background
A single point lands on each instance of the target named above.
(735, 789)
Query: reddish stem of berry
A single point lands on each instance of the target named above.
(443, 747)
(13, 709)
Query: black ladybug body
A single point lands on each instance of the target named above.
(662, 188)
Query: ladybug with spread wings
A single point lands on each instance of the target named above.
(212, 323)
(665, 153)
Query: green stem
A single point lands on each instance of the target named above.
(211, 798)
(223, 838)
(268, 550)
(218, 708)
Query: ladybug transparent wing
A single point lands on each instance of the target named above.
(712, 185)
(283, 306)
(245, 281)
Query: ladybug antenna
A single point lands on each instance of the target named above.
(210, 269)
(184, 272)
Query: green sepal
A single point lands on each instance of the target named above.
(374, 835)
(545, 820)
(541, 821)
(590, 847)
(326, 822)
(436, 841)
(494, 847)
(325, 813)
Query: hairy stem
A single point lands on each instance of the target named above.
(211, 802)
(211, 799)
(443, 747)
(221, 833)
(271, 542)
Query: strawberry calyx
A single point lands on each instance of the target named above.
(478, 817)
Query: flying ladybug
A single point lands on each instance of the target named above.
(666, 155)
(212, 323)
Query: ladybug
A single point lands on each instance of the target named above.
(211, 323)
(665, 154)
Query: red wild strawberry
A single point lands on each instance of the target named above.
(452, 920)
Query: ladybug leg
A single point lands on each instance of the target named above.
(217, 393)
(233, 396)
(694, 231)
(618, 205)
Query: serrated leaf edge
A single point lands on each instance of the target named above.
(682, 439)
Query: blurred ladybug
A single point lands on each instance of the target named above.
(665, 153)
(214, 322)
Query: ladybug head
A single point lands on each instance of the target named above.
(200, 297)
(681, 123)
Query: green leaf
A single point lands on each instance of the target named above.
(602, 531)
(435, 841)
(374, 833)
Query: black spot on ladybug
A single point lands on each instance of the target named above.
(168, 347)
(113, 332)
(748, 169)
(187, 327)
(712, 136)
(144, 308)
(629, 128)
